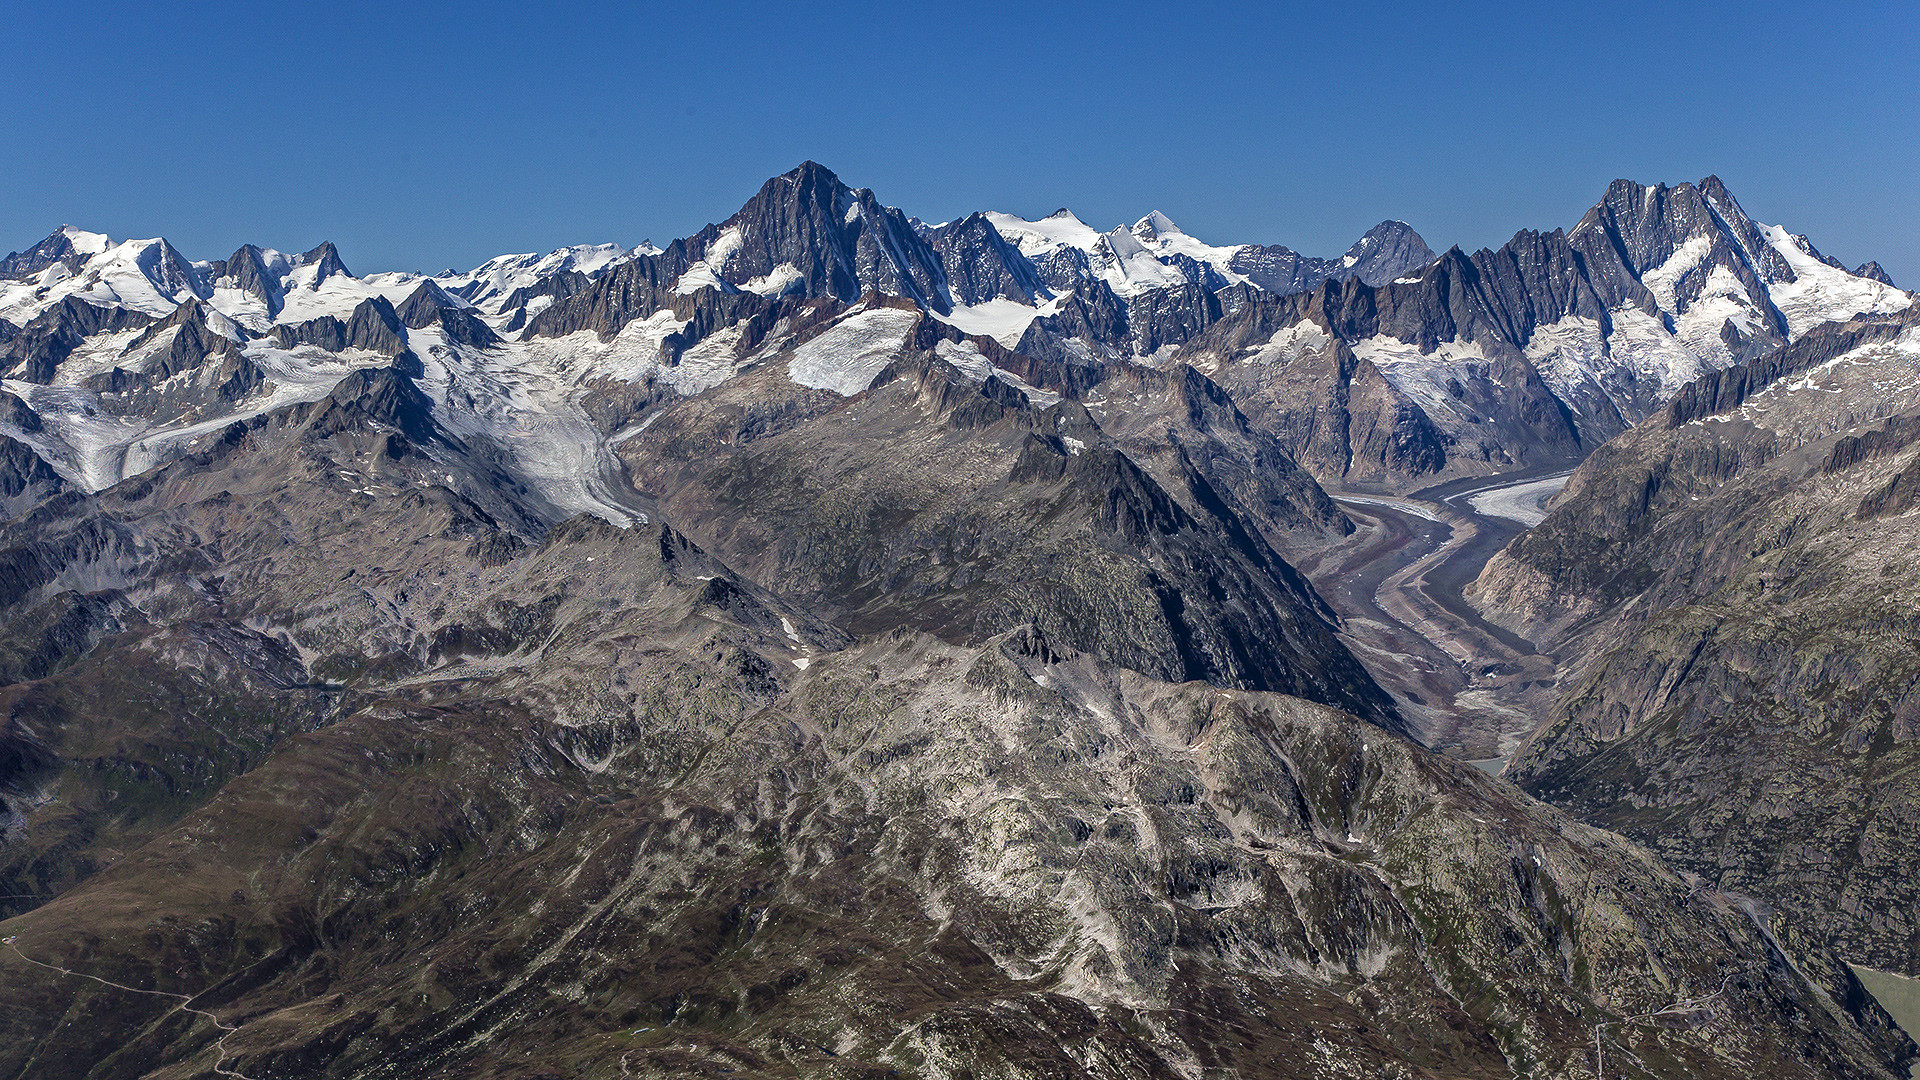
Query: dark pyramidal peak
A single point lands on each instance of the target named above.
(1388, 250)
(248, 270)
(806, 231)
(838, 645)
(1872, 272)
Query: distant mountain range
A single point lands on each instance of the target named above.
(837, 645)
(1400, 366)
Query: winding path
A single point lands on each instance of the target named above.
(182, 1003)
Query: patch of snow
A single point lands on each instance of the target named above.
(1722, 300)
(629, 356)
(777, 283)
(1290, 343)
(708, 364)
(724, 247)
(1641, 343)
(1821, 293)
(846, 357)
(1572, 359)
(968, 359)
(699, 276)
(242, 307)
(1662, 279)
(1424, 376)
(1001, 319)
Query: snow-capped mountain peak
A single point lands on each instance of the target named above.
(489, 285)
(1154, 226)
(84, 242)
(1037, 239)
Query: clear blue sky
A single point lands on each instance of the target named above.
(422, 136)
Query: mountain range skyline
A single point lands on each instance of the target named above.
(1292, 125)
(1060, 638)
(604, 247)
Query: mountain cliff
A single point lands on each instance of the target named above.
(1727, 588)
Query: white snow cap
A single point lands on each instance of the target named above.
(1155, 224)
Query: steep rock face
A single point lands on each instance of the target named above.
(848, 503)
(429, 305)
(25, 477)
(832, 240)
(1685, 452)
(1180, 424)
(1389, 250)
(981, 265)
(1088, 326)
(528, 300)
(804, 233)
(18, 415)
(320, 263)
(1872, 272)
(247, 270)
(1166, 318)
(644, 288)
(1727, 587)
(373, 325)
(1338, 414)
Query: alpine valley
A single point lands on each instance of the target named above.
(837, 645)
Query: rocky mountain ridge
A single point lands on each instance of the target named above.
(1465, 365)
(460, 802)
(723, 659)
(1728, 588)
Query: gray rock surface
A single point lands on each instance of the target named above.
(457, 800)
(1728, 589)
(902, 702)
